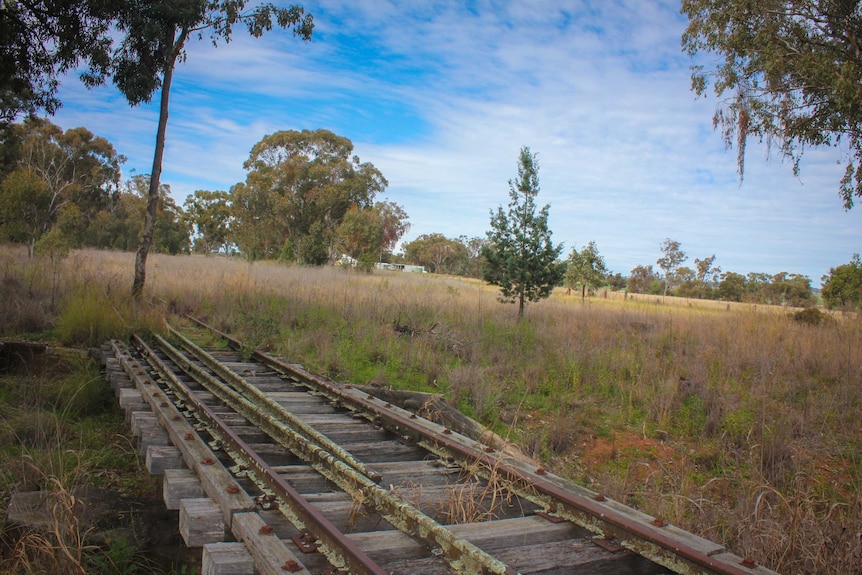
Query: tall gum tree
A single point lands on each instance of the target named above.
(300, 184)
(520, 257)
(672, 258)
(155, 36)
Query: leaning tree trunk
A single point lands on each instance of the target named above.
(153, 195)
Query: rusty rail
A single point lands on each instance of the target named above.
(646, 536)
(461, 554)
(333, 539)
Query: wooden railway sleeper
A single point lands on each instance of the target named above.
(285, 434)
(260, 399)
(602, 517)
(462, 555)
(338, 549)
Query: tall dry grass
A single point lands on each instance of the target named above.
(740, 424)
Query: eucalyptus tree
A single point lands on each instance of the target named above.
(586, 268)
(300, 185)
(842, 288)
(520, 256)
(366, 234)
(732, 287)
(436, 252)
(788, 72)
(53, 171)
(641, 280)
(42, 40)
(393, 218)
(670, 261)
(360, 236)
(155, 34)
(209, 214)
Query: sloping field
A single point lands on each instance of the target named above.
(740, 425)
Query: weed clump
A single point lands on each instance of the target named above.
(810, 316)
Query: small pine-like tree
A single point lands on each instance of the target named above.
(520, 256)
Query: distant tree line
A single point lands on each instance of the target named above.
(307, 199)
(706, 281)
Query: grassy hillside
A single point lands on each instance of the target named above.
(739, 423)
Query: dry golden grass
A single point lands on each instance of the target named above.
(740, 424)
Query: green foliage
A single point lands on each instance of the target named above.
(737, 426)
(702, 281)
(40, 41)
(586, 268)
(360, 235)
(792, 72)
(810, 316)
(732, 287)
(299, 187)
(437, 253)
(25, 207)
(63, 180)
(779, 289)
(120, 558)
(641, 279)
(171, 224)
(521, 258)
(842, 288)
(670, 262)
(209, 213)
(88, 320)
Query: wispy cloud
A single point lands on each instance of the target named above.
(440, 96)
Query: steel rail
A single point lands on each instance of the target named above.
(348, 554)
(592, 511)
(462, 555)
(277, 411)
(300, 445)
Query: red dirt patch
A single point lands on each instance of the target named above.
(646, 453)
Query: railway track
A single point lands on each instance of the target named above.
(311, 476)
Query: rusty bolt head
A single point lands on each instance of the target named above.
(208, 461)
(190, 436)
(540, 471)
(164, 404)
(447, 431)
(265, 530)
(599, 497)
(659, 522)
(291, 566)
(232, 489)
(750, 563)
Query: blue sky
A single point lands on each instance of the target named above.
(441, 95)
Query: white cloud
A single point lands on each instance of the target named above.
(440, 96)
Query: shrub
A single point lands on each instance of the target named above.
(810, 316)
(88, 321)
